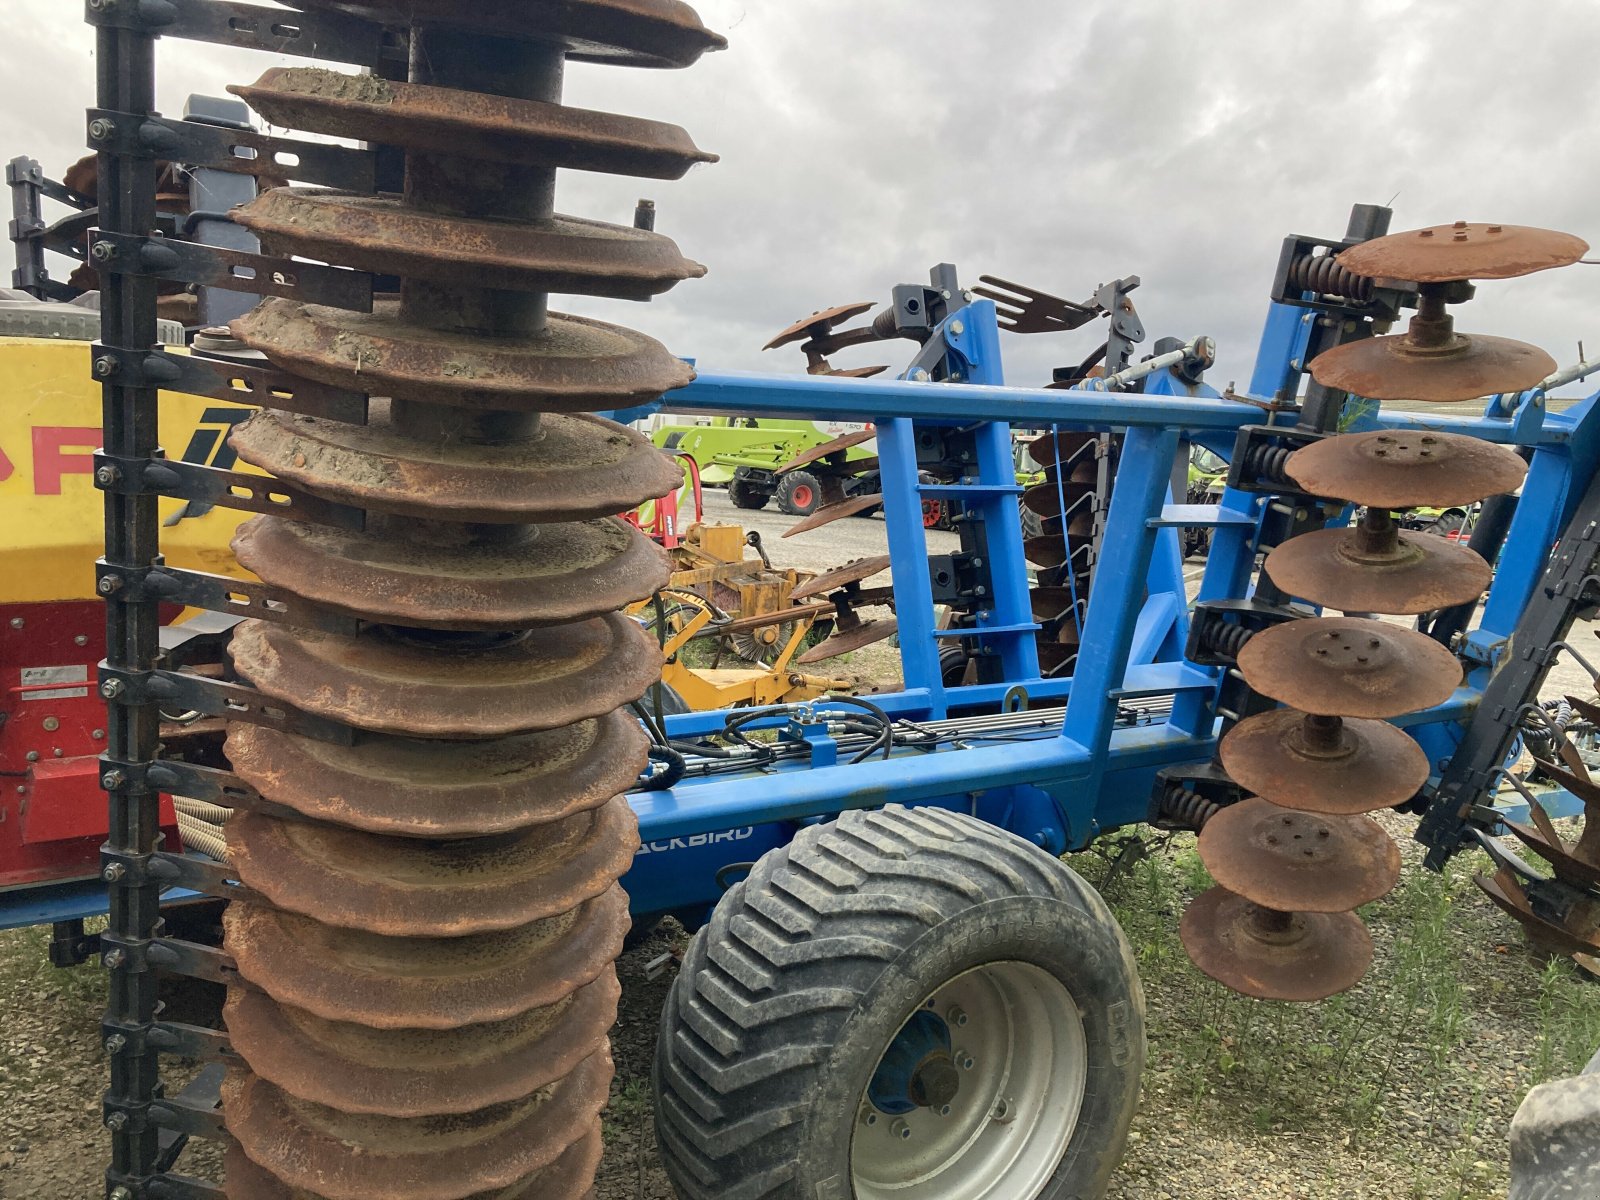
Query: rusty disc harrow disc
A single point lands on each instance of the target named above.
(1299, 861)
(820, 322)
(574, 467)
(1064, 447)
(423, 789)
(410, 887)
(575, 365)
(1349, 667)
(544, 1146)
(626, 33)
(418, 1072)
(1395, 368)
(1373, 766)
(1274, 956)
(847, 640)
(1050, 500)
(1464, 250)
(476, 125)
(1581, 937)
(390, 682)
(1424, 572)
(388, 982)
(571, 255)
(552, 575)
(837, 446)
(1406, 468)
(833, 512)
(853, 572)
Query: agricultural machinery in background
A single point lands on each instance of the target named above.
(407, 742)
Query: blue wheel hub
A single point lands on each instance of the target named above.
(917, 1070)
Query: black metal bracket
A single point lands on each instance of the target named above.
(217, 593)
(240, 151)
(208, 784)
(214, 485)
(1219, 629)
(174, 870)
(254, 384)
(1471, 772)
(232, 270)
(166, 1037)
(1259, 454)
(217, 698)
(1308, 277)
(326, 35)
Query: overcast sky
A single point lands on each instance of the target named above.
(1056, 142)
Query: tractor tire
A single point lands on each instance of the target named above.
(902, 1003)
(798, 493)
(743, 493)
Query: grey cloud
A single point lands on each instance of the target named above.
(1055, 143)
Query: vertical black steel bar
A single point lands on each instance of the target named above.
(27, 223)
(127, 189)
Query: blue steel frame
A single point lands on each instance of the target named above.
(1089, 774)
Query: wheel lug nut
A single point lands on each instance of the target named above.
(956, 1016)
(869, 1116)
(900, 1129)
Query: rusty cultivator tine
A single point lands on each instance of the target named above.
(1024, 309)
(426, 961)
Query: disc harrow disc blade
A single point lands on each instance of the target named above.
(544, 1146)
(571, 255)
(833, 512)
(1299, 861)
(574, 468)
(388, 682)
(1274, 956)
(418, 1072)
(1064, 447)
(626, 33)
(1464, 250)
(424, 983)
(1051, 500)
(476, 125)
(1374, 766)
(1349, 667)
(830, 581)
(847, 640)
(1581, 936)
(1406, 468)
(821, 321)
(563, 573)
(575, 365)
(1424, 572)
(1394, 368)
(425, 789)
(410, 887)
(1057, 658)
(837, 446)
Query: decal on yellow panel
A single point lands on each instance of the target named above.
(51, 515)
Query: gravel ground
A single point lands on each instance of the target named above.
(1402, 1088)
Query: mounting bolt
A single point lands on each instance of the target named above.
(115, 1043)
(944, 1110)
(957, 1016)
(117, 1121)
(51, 724)
(103, 6)
(98, 734)
(16, 622)
(113, 872)
(964, 1060)
(900, 1129)
(112, 959)
(107, 475)
(120, 1193)
(112, 688)
(100, 129)
(957, 328)
(81, 639)
(114, 778)
(102, 251)
(869, 1115)
(920, 376)
(33, 756)
(109, 585)
(106, 366)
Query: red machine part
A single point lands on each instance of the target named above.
(52, 731)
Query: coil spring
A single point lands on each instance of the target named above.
(1323, 274)
(431, 944)
(1185, 808)
(1223, 639)
(1267, 462)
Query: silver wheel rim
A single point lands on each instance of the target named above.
(1019, 1047)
